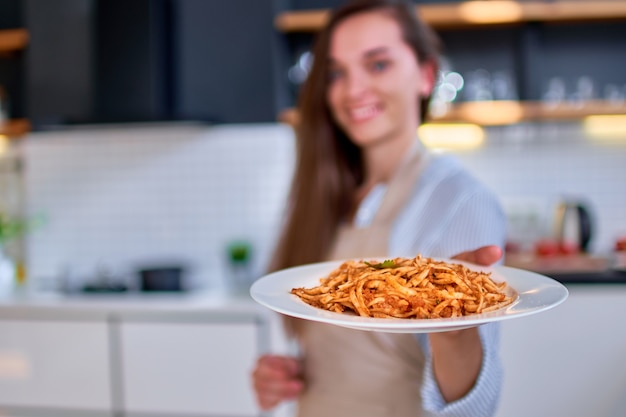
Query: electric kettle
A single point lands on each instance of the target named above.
(573, 224)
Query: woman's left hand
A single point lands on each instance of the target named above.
(457, 356)
(485, 256)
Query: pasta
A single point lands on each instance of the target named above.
(412, 288)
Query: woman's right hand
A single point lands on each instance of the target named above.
(276, 379)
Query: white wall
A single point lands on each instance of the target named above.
(123, 196)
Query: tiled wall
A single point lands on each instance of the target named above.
(123, 197)
(533, 167)
(129, 197)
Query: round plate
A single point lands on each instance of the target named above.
(535, 293)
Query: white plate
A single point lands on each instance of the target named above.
(535, 293)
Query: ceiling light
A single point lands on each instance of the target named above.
(4, 144)
(500, 112)
(481, 11)
(606, 127)
(452, 136)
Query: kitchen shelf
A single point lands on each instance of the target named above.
(508, 112)
(15, 128)
(478, 13)
(487, 113)
(12, 40)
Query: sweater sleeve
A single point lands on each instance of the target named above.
(477, 221)
(482, 399)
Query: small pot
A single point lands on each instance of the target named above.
(161, 279)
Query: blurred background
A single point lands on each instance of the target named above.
(148, 145)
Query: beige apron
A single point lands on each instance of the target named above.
(352, 373)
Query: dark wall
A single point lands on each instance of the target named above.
(572, 51)
(529, 54)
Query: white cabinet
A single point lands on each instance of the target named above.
(137, 356)
(55, 364)
(192, 368)
(568, 361)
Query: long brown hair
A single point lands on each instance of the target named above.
(329, 166)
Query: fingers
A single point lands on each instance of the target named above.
(486, 255)
(276, 379)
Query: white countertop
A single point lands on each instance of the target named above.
(86, 306)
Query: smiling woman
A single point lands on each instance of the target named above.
(365, 186)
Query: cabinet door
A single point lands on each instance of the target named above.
(223, 73)
(188, 368)
(54, 364)
(568, 361)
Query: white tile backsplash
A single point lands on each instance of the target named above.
(531, 171)
(121, 197)
(129, 195)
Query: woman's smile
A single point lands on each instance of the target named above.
(364, 113)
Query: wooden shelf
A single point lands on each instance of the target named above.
(12, 40)
(289, 116)
(15, 128)
(479, 13)
(488, 113)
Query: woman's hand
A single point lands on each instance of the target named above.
(485, 256)
(276, 379)
(458, 355)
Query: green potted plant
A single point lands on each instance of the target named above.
(10, 228)
(239, 257)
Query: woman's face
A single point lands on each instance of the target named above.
(375, 80)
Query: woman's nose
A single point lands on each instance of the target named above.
(356, 84)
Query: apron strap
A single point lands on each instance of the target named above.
(401, 185)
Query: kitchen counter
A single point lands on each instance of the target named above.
(609, 276)
(84, 306)
(569, 269)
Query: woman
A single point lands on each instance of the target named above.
(365, 186)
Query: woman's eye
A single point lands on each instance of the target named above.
(334, 74)
(378, 66)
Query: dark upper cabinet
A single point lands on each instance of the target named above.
(141, 60)
(59, 60)
(225, 53)
(132, 56)
(12, 62)
(224, 61)
(11, 16)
